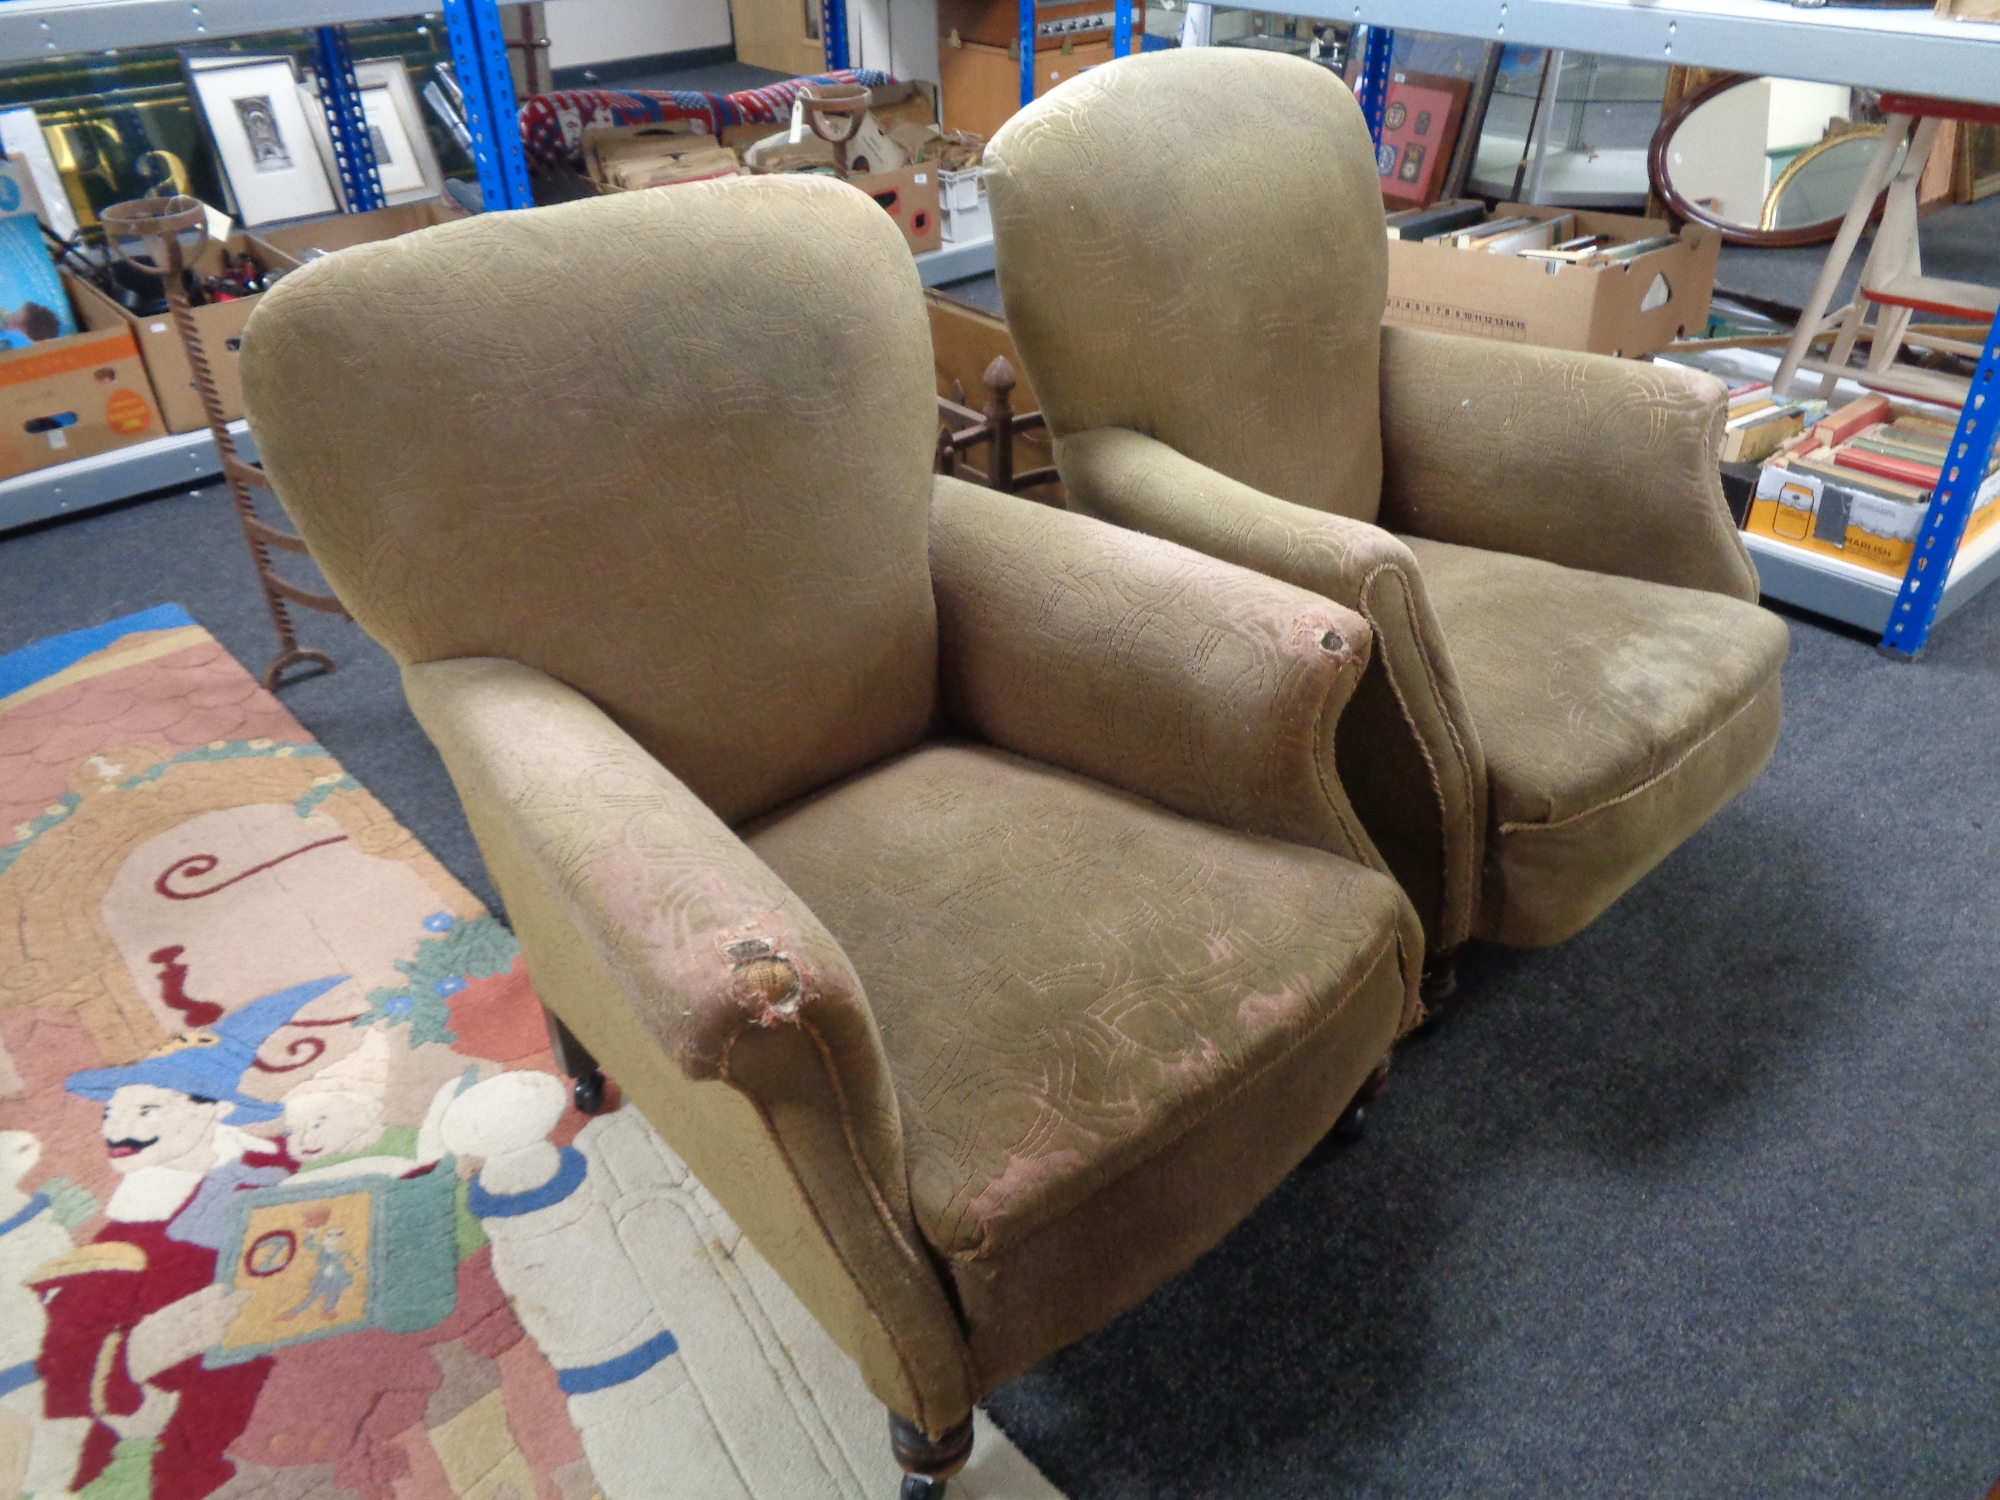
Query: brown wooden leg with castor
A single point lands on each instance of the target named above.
(1354, 1119)
(587, 1085)
(1436, 988)
(928, 1462)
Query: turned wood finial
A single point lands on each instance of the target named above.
(1000, 425)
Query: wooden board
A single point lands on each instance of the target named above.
(982, 84)
(781, 34)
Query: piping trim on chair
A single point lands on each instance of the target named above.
(1645, 786)
(1451, 730)
(883, 1213)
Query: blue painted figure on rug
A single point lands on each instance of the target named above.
(131, 1313)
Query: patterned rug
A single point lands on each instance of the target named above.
(258, 1052)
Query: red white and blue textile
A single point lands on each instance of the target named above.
(552, 124)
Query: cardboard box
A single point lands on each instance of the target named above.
(982, 83)
(73, 397)
(910, 197)
(1628, 308)
(221, 325)
(284, 247)
(1815, 511)
(279, 248)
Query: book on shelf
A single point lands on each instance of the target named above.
(1889, 489)
(1757, 438)
(1840, 425)
(1475, 238)
(1907, 471)
(1442, 218)
(1755, 416)
(1540, 236)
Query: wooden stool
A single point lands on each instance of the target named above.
(1893, 286)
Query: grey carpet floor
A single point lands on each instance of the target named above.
(1705, 1202)
(1956, 243)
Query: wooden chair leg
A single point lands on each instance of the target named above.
(587, 1086)
(1814, 317)
(928, 1463)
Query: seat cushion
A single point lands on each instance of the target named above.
(1617, 717)
(1112, 1029)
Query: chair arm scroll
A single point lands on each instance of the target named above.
(722, 1007)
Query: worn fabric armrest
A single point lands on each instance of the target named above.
(1204, 687)
(1609, 465)
(1410, 756)
(723, 1008)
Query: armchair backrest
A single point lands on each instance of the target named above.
(670, 447)
(1190, 245)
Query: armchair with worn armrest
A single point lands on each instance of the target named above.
(1571, 674)
(962, 888)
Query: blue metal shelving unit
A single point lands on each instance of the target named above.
(1121, 41)
(1373, 91)
(33, 30)
(346, 122)
(1950, 509)
(479, 52)
(833, 33)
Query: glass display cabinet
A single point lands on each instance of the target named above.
(1588, 148)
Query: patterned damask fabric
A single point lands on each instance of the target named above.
(1068, 979)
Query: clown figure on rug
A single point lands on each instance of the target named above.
(131, 1313)
(334, 1120)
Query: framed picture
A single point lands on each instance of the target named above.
(257, 127)
(403, 155)
(1419, 129)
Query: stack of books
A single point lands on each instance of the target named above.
(1759, 422)
(1463, 224)
(1859, 481)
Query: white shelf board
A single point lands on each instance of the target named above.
(956, 261)
(1910, 51)
(1860, 596)
(162, 463)
(43, 28)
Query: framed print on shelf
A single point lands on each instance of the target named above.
(264, 148)
(404, 159)
(1419, 128)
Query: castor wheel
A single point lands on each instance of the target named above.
(588, 1091)
(1437, 989)
(1351, 1126)
(928, 1463)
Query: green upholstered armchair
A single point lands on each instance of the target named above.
(1571, 674)
(902, 848)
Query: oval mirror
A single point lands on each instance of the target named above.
(1767, 161)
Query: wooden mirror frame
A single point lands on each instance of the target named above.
(1729, 229)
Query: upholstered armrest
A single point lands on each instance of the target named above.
(1207, 688)
(1611, 465)
(1409, 710)
(723, 1008)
